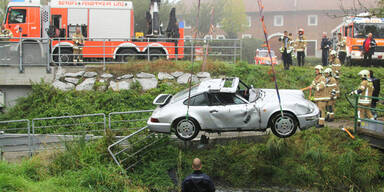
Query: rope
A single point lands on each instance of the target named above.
(193, 60)
(261, 8)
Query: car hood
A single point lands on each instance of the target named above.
(284, 94)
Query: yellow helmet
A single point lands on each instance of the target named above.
(319, 67)
(328, 71)
(364, 73)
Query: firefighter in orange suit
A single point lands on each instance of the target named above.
(331, 86)
(335, 64)
(365, 89)
(78, 40)
(321, 96)
(5, 35)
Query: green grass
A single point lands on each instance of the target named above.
(44, 101)
(316, 159)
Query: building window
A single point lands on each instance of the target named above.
(311, 48)
(278, 21)
(186, 26)
(246, 36)
(220, 37)
(312, 20)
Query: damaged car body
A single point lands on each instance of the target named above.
(228, 104)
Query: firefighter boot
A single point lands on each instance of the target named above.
(331, 114)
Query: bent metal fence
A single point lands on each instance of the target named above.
(130, 150)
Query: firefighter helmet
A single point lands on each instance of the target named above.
(301, 30)
(333, 53)
(364, 73)
(319, 67)
(328, 71)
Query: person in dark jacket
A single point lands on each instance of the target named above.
(325, 44)
(369, 46)
(197, 181)
(375, 93)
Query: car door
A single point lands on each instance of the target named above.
(227, 111)
(198, 108)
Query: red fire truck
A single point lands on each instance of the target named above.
(108, 28)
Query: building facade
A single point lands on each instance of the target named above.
(314, 16)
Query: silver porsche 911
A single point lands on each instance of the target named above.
(228, 104)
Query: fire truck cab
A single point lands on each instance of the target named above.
(107, 26)
(356, 29)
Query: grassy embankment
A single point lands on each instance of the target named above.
(325, 159)
(316, 160)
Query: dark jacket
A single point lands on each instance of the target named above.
(197, 182)
(376, 86)
(325, 43)
(372, 47)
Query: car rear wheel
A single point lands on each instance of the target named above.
(186, 129)
(284, 126)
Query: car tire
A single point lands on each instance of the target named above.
(284, 126)
(186, 129)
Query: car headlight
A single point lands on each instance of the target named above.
(302, 109)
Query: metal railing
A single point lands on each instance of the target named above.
(102, 51)
(372, 126)
(125, 123)
(15, 136)
(22, 52)
(130, 150)
(50, 130)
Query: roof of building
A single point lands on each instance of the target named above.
(298, 5)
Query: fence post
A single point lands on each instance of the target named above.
(33, 137)
(192, 49)
(148, 56)
(21, 69)
(29, 138)
(356, 112)
(234, 51)
(241, 49)
(48, 41)
(59, 52)
(104, 65)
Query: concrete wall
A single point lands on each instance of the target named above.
(14, 92)
(12, 76)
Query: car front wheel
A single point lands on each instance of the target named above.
(284, 126)
(186, 129)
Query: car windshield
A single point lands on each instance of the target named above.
(265, 54)
(362, 29)
(183, 94)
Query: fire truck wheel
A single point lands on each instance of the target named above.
(66, 57)
(157, 54)
(127, 55)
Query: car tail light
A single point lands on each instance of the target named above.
(154, 120)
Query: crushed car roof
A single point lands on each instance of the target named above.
(223, 85)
